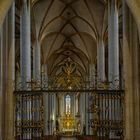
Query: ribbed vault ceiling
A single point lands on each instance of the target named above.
(68, 28)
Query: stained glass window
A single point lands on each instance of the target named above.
(68, 104)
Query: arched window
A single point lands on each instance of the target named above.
(68, 104)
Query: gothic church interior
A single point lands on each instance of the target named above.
(69, 69)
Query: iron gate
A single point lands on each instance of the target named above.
(29, 117)
(106, 108)
(105, 112)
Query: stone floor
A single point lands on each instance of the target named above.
(68, 138)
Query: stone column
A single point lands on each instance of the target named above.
(11, 74)
(82, 110)
(37, 61)
(54, 111)
(127, 57)
(46, 112)
(1, 80)
(84, 114)
(74, 106)
(51, 113)
(113, 41)
(136, 82)
(52, 117)
(4, 76)
(101, 60)
(61, 105)
(25, 46)
(91, 116)
(92, 75)
(46, 100)
(92, 78)
(25, 54)
(87, 114)
(37, 76)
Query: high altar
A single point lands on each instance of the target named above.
(68, 124)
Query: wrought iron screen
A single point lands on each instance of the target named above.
(105, 112)
(29, 117)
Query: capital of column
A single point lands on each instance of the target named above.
(114, 3)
